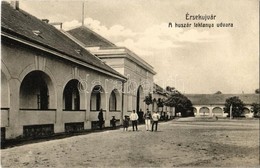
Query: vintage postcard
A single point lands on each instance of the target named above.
(140, 83)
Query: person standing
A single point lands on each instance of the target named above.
(155, 118)
(113, 122)
(100, 119)
(126, 123)
(147, 119)
(134, 118)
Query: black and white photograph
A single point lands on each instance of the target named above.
(130, 83)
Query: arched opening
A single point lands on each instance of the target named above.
(246, 111)
(114, 101)
(139, 99)
(217, 111)
(4, 92)
(204, 111)
(97, 99)
(194, 111)
(71, 96)
(35, 90)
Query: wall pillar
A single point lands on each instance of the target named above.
(14, 129)
(210, 111)
(59, 125)
(87, 124)
(107, 116)
(198, 111)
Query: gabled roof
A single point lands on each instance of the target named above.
(215, 99)
(20, 25)
(89, 37)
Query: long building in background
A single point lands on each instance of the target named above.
(213, 104)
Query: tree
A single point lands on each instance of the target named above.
(256, 109)
(148, 99)
(160, 102)
(171, 90)
(180, 102)
(237, 106)
(257, 91)
(218, 92)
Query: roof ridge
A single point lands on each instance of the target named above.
(84, 27)
(23, 23)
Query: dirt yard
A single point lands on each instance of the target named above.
(222, 143)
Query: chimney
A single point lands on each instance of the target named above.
(15, 5)
(45, 20)
(57, 23)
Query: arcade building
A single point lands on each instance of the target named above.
(54, 81)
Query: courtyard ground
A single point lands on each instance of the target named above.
(177, 143)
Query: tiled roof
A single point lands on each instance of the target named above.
(89, 37)
(210, 99)
(22, 25)
(158, 89)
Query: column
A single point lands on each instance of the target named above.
(14, 129)
(59, 125)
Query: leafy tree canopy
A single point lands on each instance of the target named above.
(160, 102)
(148, 99)
(256, 109)
(180, 102)
(218, 92)
(237, 106)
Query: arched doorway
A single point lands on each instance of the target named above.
(204, 111)
(217, 111)
(114, 101)
(71, 96)
(97, 99)
(246, 111)
(139, 99)
(35, 90)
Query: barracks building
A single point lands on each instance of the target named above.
(54, 81)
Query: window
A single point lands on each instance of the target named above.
(112, 101)
(71, 96)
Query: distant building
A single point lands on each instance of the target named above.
(213, 104)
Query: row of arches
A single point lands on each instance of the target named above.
(217, 111)
(37, 92)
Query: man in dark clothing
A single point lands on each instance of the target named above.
(101, 119)
(113, 122)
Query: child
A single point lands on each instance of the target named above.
(126, 123)
(113, 122)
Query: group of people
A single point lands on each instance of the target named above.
(148, 117)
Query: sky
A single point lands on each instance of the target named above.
(194, 59)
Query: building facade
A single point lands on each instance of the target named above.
(49, 83)
(213, 104)
(138, 72)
